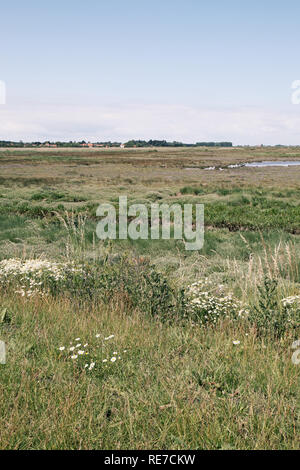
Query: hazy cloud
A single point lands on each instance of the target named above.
(183, 123)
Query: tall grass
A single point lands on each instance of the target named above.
(280, 263)
(176, 387)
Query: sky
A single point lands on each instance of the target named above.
(186, 70)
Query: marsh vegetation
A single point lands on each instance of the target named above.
(177, 349)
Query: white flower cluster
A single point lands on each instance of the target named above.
(208, 303)
(291, 305)
(78, 353)
(30, 275)
(293, 300)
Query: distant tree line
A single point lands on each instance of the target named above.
(83, 143)
(164, 143)
(213, 144)
(129, 144)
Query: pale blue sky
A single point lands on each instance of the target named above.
(180, 69)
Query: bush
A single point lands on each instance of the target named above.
(270, 315)
(133, 280)
(192, 190)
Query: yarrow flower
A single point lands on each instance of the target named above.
(109, 337)
(207, 303)
(32, 276)
(292, 300)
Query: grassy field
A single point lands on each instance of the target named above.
(183, 377)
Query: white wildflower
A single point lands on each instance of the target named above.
(109, 337)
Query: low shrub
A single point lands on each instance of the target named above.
(271, 315)
(138, 285)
